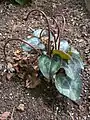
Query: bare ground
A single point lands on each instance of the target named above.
(43, 103)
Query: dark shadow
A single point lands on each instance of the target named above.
(51, 97)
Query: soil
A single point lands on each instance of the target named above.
(44, 102)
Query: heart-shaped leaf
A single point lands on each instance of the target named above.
(48, 66)
(69, 87)
(73, 66)
(64, 46)
(35, 42)
(37, 32)
(77, 58)
(69, 68)
(62, 54)
(73, 51)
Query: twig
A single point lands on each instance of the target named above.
(51, 31)
(12, 113)
(31, 29)
(18, 40)
(58, 30)
(64, 23)
(49, 46)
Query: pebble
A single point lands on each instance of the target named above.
(10, 94)
(21, 107)
(32, 98)
(89, 98)
(28, 94)
(87, 50)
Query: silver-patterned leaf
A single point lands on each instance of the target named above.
(69, 87)
(73, 66)
(48, 66)
(64, 46)
(35, 42)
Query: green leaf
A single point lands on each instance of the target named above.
(35, 42)
(77, 58)
(73, 66)
(70, 68)
(37, 32)
(62, 54)
(73, 51)
(21, 2)
(48, 66)
(64, 46)
(69, 87)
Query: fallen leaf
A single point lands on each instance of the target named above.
(21, 107)
(4, 116)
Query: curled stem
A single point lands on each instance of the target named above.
(58, 32)
(50, 36)
(20, 41)
(64, 23)
(49, 47)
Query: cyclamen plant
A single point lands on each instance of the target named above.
(58, 61)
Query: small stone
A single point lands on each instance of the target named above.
(57, 108)
(28, 36)
(0, 34)
(32, 98)
(80, 40)
(89, 98)
(28, 94)
(1, 11)
(89, 108)
(85, 117)
(10, 94)
(86, 50)
(21, 107)
(21, 100)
